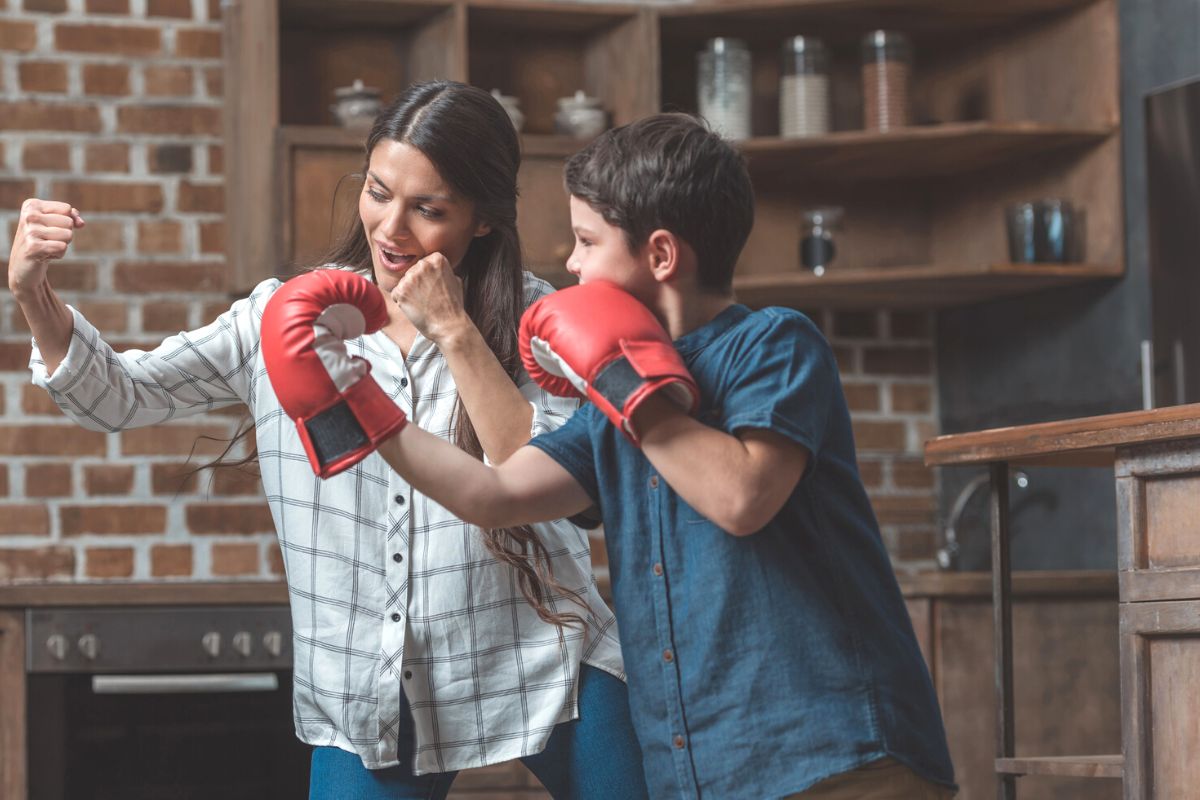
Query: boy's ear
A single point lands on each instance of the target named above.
(663, 251)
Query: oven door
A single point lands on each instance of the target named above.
(158, 704)
(153, 737)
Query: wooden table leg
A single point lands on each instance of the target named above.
(1006, 785)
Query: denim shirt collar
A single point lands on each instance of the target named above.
(696, 340)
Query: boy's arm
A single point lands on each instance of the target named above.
(528, 487)
(739, 482)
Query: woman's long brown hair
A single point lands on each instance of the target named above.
(471, 142)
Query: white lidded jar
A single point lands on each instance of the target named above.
(723, 86)
(804, 88)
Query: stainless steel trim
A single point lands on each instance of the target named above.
(1147, 374)
(174, 684)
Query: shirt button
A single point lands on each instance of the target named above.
(395, 616)
(658, 570)
(397, 557)
(408, 674)
(678, 742)
(403, 382)
(653, 481)
(399, 499)
(668, 656)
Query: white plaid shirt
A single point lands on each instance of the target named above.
(388, 589)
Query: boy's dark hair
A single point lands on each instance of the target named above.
(670, 171)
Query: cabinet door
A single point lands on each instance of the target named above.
(1066, 687)
(321, 189)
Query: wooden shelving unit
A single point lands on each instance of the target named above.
(923, 224)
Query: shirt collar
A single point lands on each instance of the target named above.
(696, 340)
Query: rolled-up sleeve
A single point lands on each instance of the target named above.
(189, 373)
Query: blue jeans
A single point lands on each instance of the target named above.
(595, 757)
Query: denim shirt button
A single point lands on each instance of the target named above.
(658, 570)
(668, 656)
(653, 481)
(678, 742)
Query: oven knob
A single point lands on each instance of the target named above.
(89, 646)
(242, 644)
(273, 642)
(58, 647)
(211, 642)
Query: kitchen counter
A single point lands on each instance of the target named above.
(1086, 442)
(191, 593)
(1155, 458)
(147, 593)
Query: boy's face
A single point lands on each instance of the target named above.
(602, 253)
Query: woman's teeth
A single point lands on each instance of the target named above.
(395, 259)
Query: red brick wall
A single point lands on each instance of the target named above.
(115, 106)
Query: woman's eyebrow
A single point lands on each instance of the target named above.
(445, 198)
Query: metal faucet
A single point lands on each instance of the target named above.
(947, 554)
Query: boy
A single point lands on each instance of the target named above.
(767, 646)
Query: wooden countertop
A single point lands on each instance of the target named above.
(912, 584)
(190, 593)
(1086, 442)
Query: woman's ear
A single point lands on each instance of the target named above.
(483, 229)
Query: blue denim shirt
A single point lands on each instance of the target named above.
(760, 665)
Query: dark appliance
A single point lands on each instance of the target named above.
(162, 703)
(1173, 186)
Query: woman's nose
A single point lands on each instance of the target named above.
(395, 225)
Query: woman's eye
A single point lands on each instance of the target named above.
(429, 213)
(376, 196)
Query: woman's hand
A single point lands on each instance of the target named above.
(431, 296)
(44, 231)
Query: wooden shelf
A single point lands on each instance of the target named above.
(1064, 766)
(916, 152)
(533, 145)
(924, 287)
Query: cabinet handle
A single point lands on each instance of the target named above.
(191, 684)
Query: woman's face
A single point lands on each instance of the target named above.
(409, 212)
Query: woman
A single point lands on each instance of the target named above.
(422, 645)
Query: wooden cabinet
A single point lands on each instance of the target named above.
(1013, 100)
(1156, 459)
(1159, 558)
(1066, 659)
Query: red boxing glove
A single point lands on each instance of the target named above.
(597, 340)
(340, 411)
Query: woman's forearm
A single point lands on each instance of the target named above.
(49, 320)
(500, 413)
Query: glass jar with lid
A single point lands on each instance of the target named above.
(887, 65)
(724, 86)
(804, 88)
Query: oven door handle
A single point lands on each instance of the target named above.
(175, 684)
